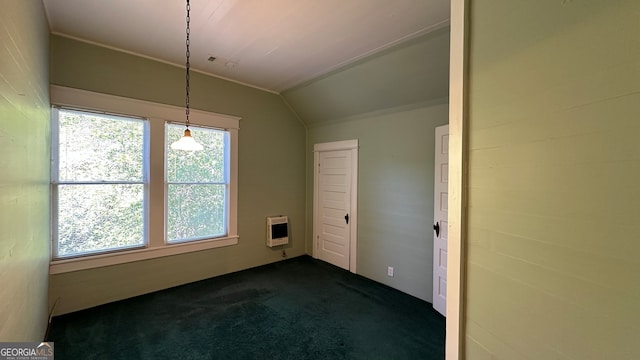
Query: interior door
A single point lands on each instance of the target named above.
(440, 209)
(333, 226)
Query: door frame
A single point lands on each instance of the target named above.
(458, 150)
(353, 216)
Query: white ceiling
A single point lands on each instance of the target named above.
(269, 44)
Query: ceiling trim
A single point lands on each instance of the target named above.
(161, 61)
(381, 112)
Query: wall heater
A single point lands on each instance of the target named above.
(277, 230)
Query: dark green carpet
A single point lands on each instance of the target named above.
(300, 308)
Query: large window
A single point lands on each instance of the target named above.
(98, 182)
(197, 185)
(121, 194)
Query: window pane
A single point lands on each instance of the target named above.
(99, 217)
(196, 166)
(95, 147)
(196, 211)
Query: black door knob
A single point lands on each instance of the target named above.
(346, 218)
(436, 227)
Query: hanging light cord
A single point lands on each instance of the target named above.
(188, 65)
(187, 142)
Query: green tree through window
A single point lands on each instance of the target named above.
(119, 193)
(197, 185)
(98, 182)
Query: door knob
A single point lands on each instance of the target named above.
(346, 218)
(436, 227)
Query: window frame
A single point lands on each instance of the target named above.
(157, 115)
(56, 182)
(226, 182)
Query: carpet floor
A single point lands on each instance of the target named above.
(300, 308)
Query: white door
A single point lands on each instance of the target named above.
(334, 218)
(440, 210)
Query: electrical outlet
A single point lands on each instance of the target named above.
(390, 271)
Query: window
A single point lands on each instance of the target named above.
(197, 185)
(98, 182)
(120, 194)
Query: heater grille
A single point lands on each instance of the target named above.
(277, 230)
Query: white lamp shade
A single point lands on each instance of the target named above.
(187, 143)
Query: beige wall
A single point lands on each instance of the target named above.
(554, 174)
(271, 177)
(24, 170)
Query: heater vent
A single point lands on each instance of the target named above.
(277, 230)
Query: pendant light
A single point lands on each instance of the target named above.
(187, 142)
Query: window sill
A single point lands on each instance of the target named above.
(115, 258)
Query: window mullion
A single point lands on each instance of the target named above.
(157, 191)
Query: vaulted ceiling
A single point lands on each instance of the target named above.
(270, 44)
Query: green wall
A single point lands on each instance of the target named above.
(391, 102)
(554, 174)
(395, 193)
(414, 72)
(271, 170)
(24, 170)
